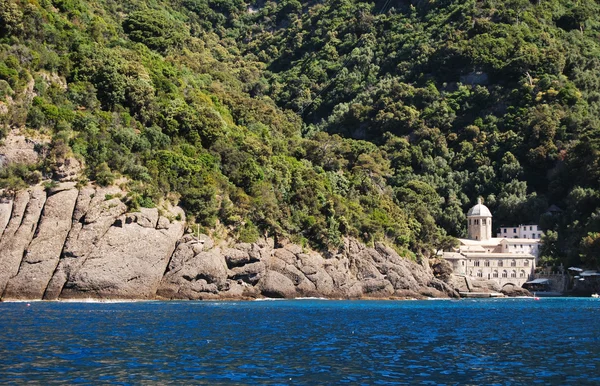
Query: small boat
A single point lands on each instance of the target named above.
(595, 296)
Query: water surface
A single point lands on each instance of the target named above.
(303, 342)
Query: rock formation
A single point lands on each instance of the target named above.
(65, 243)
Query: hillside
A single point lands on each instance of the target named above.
(312, 121)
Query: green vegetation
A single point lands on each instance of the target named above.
(317, 120)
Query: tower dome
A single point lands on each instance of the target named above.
(479, 210)
(479, 222)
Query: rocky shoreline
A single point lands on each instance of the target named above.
(66, 243)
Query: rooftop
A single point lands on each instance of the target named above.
(479, 210)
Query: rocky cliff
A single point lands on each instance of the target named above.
(66, 243)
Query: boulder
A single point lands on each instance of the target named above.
(249, 273)
(147, 217)
(15, 148)
(442, 269)
(236, 257)
(68, 169)
(512, 291)
(377, 288)
(276, 285)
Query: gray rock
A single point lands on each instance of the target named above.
(377, 288)
(249, 273)
(442, 269)
(147, 217)
(163, 223)
(69, 260)
(276, 285)
(285, 255)
(127, 263)
(443, 288)
(68, 169)
(6, 205)
(236, 257)
(103, 260)
(293, 248)
(192, 272)
(19, 233)
(513, 291)
(43, 253)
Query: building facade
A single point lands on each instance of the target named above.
(509, 258)
(521, 232)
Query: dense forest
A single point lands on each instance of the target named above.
(319, 119)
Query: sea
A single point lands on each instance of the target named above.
(527, 341)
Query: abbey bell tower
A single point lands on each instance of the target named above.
(479, 222)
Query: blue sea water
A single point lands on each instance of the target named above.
(303, 342)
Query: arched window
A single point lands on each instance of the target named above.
(500, 263)
(504, 273)
(522, 274)
(495, 274)
(513, 263)
(479, 273)
(527, 263)
(513, 273)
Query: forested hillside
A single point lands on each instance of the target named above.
(315, 120)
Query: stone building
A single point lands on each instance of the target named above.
(506, 259)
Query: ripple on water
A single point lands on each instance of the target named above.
(309, 341)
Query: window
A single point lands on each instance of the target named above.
(479, 273)
(533, 235)
(514, 230)
(476, 263)
(469, 221)
(463, 263)
(524, 228)
(495, 274)
(522, 274)
(513, 263)
(500, 263)
(521, 246)
(504, 230)
(513, 274)
(504, 273)
(530, 228)
(527, 263)
(486, 263)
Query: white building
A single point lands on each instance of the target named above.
(521, 232)
(509, 258)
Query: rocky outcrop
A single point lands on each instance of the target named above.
(512, 291)
(200, 271)
(466, 284)
(127, 261)
(27, 208)
(66, 243)
(16, 148)
(43, 253)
